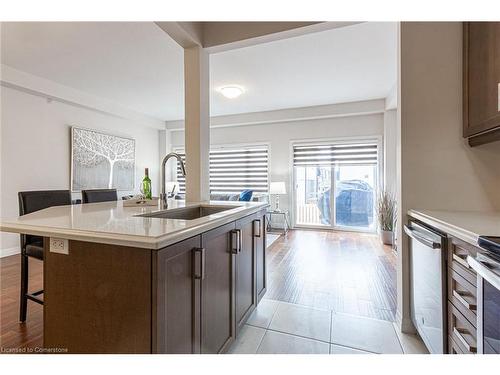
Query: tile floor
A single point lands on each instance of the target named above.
(283, 328)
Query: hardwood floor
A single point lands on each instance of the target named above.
(340, 271)
(12, 333)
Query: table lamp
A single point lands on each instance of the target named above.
(277, 188)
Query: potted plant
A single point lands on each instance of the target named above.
(386, 209)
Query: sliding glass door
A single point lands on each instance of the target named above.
(313, 185)
(335, 185)
(355, 196)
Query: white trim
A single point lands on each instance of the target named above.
(337, 228)
(378, 177)
(242, 145)
(391, 101)
(177, 148)
(10, 251)
(319, 112)
(347, 139)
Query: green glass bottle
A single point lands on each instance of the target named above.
(146, 185)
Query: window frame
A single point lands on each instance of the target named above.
(378, 176)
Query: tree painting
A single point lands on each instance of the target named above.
(102, 161)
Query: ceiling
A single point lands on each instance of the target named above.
(132, 63)
(340, 65)
(138, 66)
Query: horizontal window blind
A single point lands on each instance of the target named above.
(234, 170)
(181, 180)
(335, 154)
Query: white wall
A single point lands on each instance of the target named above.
(438, 169)
(390, 145)
(279, 135)
(35, 147)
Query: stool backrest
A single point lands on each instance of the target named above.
(31, 201)
(99, 195)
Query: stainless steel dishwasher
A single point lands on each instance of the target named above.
(428, 284)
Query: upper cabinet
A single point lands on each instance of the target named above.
(481, 82)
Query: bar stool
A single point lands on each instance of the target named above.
(99, 195)
(32, 246)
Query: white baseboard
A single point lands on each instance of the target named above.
(9, 251)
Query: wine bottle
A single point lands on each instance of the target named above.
(146, 185)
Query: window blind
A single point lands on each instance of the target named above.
(335, 154)
(234, 170)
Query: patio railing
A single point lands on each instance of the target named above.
(308, 213)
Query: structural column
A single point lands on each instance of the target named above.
(197, 123)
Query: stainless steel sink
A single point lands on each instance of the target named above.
(187, 213)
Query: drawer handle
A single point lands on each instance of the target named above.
(201, 275)
(239, 240)
(235, 241)
(461, 260)
(462, 300)
(458, 332)
(256, 228)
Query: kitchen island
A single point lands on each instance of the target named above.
(144, 280)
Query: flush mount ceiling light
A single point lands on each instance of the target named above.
(232, 91)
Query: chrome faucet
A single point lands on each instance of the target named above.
(163, 195)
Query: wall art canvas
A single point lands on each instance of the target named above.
(101, 161)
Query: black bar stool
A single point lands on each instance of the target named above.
(99, 195)
(32, 246)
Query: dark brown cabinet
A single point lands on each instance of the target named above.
(462, 298)
(188, 297)
(481, 82)
(260, 253)
(246, 298)
(461, 331)
(195, 294)
(217, 290)
(178, 297)
(250, 266)
(207, 286)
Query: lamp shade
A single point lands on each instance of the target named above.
(277, 188)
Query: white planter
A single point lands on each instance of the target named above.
(386, 237)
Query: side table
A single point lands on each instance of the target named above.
(286, 220)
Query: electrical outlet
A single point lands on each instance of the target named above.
(59, 246)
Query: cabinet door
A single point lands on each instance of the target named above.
(217, 301)
(260, 252)
(481, 77)
(246, 298)
(177, 271)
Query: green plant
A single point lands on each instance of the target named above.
(386, 209)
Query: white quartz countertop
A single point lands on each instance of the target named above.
(112, 223)
(465, 225)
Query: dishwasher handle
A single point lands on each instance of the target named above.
(418, 237)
